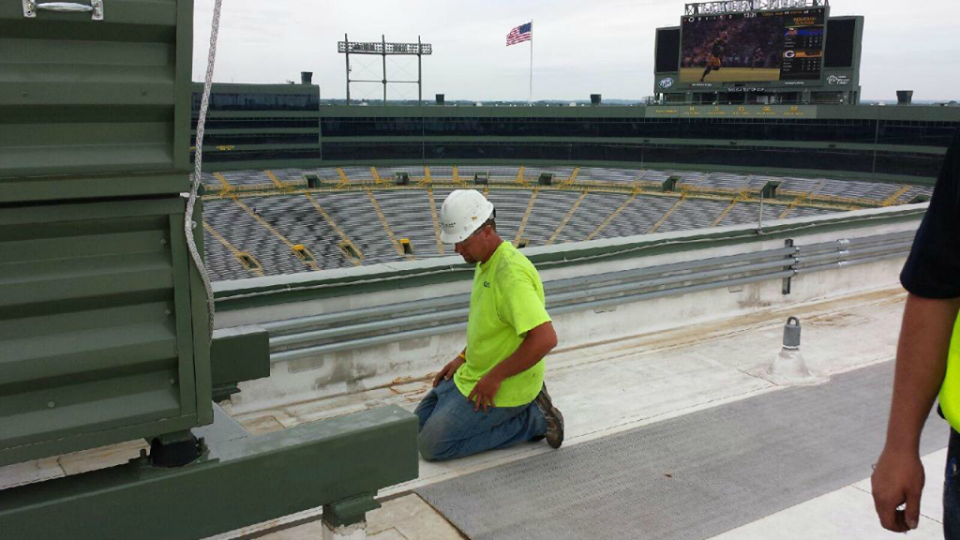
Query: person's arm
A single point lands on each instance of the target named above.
(921, 364)
(447, 371)
(536, 344)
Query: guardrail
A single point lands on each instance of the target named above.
(358, 328)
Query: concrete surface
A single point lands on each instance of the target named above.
(616, 385)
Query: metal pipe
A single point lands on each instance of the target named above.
(363, 342)
(295, 354)
(849, 254)
(821, 246)
(550, 286)
(624, 287)
(669, 292)
(342, 316)
(306, 337)
(559, 284)
(567, 292)
(841, 264)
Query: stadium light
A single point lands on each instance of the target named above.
(384, 49)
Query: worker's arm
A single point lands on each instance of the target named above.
(921, 364)
(447, 371)
(536, 344)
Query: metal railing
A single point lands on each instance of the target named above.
(353, 329)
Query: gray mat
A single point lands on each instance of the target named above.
(692, 477)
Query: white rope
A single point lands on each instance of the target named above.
(188, 224)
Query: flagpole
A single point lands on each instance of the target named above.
(530, 98)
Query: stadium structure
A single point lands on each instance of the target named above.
(674, 241)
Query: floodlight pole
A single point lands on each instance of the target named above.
(383, 39)
(383, 49)
(345, 40)
(419, 72)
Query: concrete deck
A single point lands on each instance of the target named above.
(611, 387)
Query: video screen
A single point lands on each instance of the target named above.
(752, 47)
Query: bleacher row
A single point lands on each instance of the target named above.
(844, 189)
(283, 233)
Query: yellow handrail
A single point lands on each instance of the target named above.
(613, 215)
(436, 220)
(666, 215)
(526, 215)
(386, 226)
(237, 254)
(310, 263)
(566, 218)
(333, 224)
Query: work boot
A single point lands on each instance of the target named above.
(554, 418)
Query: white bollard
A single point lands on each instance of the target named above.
(789, 368)
(357, 531)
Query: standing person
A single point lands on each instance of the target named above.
(717, 50)
(928, 362)
(492, 394)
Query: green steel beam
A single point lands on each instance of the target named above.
(774, 171)
(238, 354)
(242, 481)
(821, 112)
(724, 144)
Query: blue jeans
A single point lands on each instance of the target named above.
(450, 428)
(951, 490)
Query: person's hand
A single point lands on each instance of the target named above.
(483, 393)
(448, 370)
(898, 479)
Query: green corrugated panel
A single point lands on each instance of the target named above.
(96, 330)
(81, 97)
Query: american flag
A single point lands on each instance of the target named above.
(522, 33)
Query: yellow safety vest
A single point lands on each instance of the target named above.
(950, 390)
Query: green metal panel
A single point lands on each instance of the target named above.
(102, 339)
(85, 97)
(242, 481)
(238, 354)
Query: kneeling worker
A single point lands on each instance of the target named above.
(492, 394)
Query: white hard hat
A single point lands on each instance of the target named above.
(462, 213)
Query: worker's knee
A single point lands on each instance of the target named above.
(428, 447)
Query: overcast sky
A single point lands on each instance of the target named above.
(580, 47)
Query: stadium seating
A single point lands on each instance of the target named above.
(268, 223)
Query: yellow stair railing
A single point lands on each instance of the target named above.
(566, 218)
(355, 256)
(299, 250)
(526, 215)
(613, 215)
(246, 260)
(666, 215)
(436, 220)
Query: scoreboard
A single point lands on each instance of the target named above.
(752, 46)
(777, 55)
(802, 45)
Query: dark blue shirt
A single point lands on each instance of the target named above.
(933, 267)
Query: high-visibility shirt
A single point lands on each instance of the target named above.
(507, 301)
(950, 390)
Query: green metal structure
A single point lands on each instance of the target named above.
(104, 332)
(895, 143)
(103, 319)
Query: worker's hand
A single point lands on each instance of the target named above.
(898, 479)
(483, 393)
(448, 370)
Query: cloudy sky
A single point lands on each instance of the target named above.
(580, 47)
